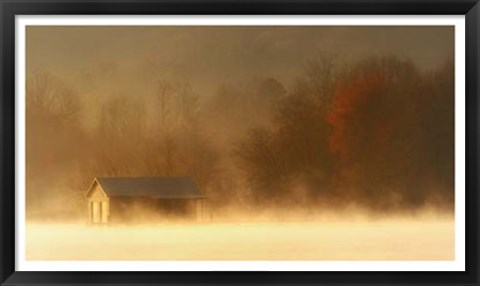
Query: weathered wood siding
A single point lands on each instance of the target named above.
(141, 209)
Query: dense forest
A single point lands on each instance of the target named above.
(376, 133)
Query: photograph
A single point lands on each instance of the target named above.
(240, 143)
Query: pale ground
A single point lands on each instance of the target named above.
(359, 240)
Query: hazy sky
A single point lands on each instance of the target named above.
(133, 57)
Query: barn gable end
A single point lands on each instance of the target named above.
(96, 190)
(98, 203)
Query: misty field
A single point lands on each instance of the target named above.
(384, 239)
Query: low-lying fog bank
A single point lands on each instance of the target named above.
(425, 238)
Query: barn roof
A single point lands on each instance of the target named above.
(153, 187)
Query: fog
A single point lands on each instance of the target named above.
(357, 239)
(319, 140)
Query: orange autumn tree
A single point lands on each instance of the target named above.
(351, 103)
(387, 138)
(380, 136)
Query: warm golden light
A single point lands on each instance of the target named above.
(240, 143)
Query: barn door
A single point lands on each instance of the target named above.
(104, 211)
(96, 218)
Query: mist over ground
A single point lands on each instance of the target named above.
(276, 121)
(392, 239)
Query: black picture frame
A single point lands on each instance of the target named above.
(10, 8)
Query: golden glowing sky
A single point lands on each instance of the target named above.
(206, 56)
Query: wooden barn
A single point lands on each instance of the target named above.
(140, 199)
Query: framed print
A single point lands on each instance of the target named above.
(274, 142)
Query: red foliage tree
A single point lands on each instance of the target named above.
(391, 136)
(349, 105)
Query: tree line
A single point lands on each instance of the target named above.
(377, 133)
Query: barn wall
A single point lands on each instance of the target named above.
(143, 210)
